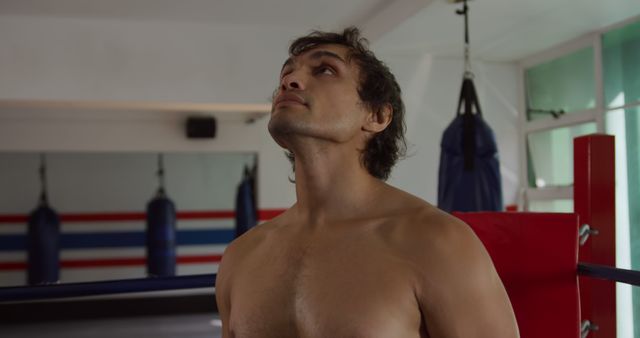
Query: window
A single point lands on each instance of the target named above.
(564, 84)
(596, 96)
(559, 205)
(621, 69)
(552, 154)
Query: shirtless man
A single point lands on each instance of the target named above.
(354, 256)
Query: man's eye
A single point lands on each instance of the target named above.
(325, 70)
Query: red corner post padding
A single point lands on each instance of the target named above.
(536, 256)
(594, 196)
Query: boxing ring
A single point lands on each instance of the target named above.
(558, 268)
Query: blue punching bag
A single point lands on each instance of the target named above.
(469, 176)
(43, 244)
(161, 232)
(246, 212)
(43, 240)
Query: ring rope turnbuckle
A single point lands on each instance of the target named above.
(584, 233)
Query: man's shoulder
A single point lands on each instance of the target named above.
(417, 217)
(426, 233)
(437, 226)
(252, 239)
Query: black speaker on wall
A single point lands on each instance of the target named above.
(201, 127)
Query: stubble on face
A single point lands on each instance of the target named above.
(285, 125)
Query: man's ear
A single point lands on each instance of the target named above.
(378, 121)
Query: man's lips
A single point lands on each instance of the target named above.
(287, 98)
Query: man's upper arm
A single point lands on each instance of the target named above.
(223, 284)
(460, 293)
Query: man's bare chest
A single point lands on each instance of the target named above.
(323, 289)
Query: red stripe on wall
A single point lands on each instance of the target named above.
(104, 217)
(263, 215)
(14, 219)
(199, 259)
(206, 214)
(98, 263)
(11, 266)
(141, 216)
(267, 214)
(113, 262)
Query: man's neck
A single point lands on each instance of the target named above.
(332, 185)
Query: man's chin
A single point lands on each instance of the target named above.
(281, 129)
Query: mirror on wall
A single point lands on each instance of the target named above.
(101, 201)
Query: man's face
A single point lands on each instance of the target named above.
(318, 97)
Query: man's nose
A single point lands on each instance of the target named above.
(292, 80)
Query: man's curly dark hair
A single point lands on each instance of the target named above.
(377, 88)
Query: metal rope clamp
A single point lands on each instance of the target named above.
(468, 74)
(584, 233)
(587, 327)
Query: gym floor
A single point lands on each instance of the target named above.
(184, 326)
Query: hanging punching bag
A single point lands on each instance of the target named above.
(161, 232)
(246, 213)
(43, 244)
(43, 240)
(469, 176)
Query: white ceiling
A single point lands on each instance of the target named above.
(501, 30)
(505, 30)
(289, 13)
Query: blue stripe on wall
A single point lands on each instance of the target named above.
(120, 239)
(13, 242)
(102, 240)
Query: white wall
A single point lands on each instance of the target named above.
(54, 58)
(74, 59)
